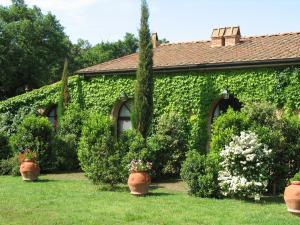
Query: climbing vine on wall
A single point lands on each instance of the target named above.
(190, 93)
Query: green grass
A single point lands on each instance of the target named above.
(59, 199)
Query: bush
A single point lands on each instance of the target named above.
(280, 130)
(5, 151)
(131, 145)
(244, 166)
(10, 166)
(97, 155)
(169, 144)
(290, 129)
(67, 138)
(35, 133)
(226, 126)
(200, 172)
(262, 113)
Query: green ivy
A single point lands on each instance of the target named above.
(190, 93)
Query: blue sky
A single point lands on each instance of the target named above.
(175, 20)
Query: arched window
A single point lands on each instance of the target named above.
(52, 117)
(124, 122)
(223, 105)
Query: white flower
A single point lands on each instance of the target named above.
(244, 154)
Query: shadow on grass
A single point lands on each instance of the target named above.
(44, 180)
(266, 200)
(118, 188)
(159, 194)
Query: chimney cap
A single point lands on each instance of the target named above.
(226, 32)
(218, 33)
(232, 31)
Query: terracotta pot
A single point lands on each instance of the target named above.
(29, 170)
(292, 197)
(138, 183)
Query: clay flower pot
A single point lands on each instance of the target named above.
(139, 182)
(29, 170)
(292, 197)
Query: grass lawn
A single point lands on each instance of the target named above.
(71, 199)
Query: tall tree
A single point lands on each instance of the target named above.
(64, 93)
(143, 98)
(32, 48)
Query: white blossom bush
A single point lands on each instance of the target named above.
(244, 167)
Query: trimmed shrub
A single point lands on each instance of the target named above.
(244, 166)
(226, 126)
(5, 151)
(200, 172)
(169, 144)
(35, 133)
(97, 155)
(131, 145)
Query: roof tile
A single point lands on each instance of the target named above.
(257, 48)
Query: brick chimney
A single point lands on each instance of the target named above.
(232, 36)
(227, 36)
(217, 37)
(154, 39)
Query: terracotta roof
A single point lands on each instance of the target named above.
(251, 51)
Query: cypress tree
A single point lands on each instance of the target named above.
(64, 93)
(143, 97)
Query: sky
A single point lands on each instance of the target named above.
(175, 20)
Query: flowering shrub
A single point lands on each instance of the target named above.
(139, 166)
(244, 166)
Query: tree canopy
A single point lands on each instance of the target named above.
(32, 48)
(84, 54)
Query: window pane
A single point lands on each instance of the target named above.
(124, 125)
(124, 111)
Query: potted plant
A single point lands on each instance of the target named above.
(29, 168)
(139, 179)
(292, 195)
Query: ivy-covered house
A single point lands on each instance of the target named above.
(199, 79)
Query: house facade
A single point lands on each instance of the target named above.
(199, 80)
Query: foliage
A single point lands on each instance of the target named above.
(296, 177)
(33, 46)
(290, 129)
(226, 126)
(143, 97)
(67, 137)
(244, 166)
(84, 54)
(139, 166)
(169, 144)
(96, 153)
(5, 150)
(132, 145)
(200, 172)
(198, 133)
(35, 133)
(190, 93)
(27, 154)
(64, 95)
(10, 166)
